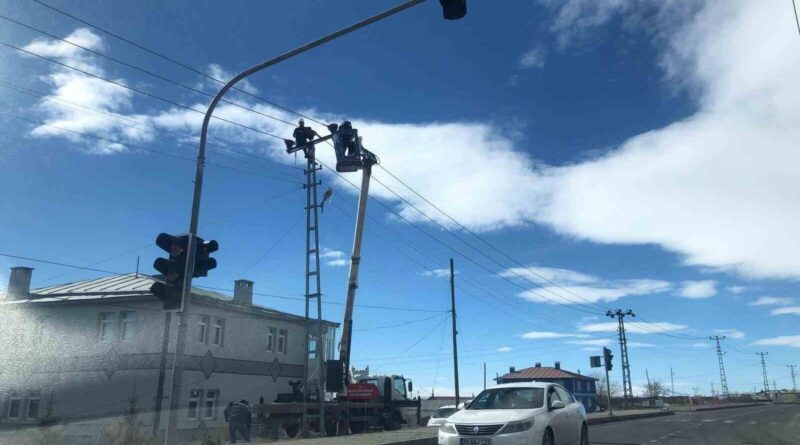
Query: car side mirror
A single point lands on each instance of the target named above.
(557, 404)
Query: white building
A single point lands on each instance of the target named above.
(78, 352)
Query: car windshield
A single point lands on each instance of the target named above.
(443, 412)
(509, 398)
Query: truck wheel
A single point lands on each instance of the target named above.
(357, 427)
(392, 422)
(292, 429)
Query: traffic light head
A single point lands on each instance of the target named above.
(172, 269)
(607, 356)
(202, 261)
(454, 9)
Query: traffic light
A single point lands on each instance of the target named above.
(454, 9)
(202, 261)
(172, 269)
(607, 356)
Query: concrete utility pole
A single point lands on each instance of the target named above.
(627, 387)
(176, 387)
(794, 381)
(484, 375)
(649, 386)
(764, 370)
(455, 330)
(723, 379)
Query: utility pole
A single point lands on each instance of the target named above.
(672, 380)
(627, 387)
(723, 379)
(713, 392)
(176, 386)
(484, 375)
(764, 371)
(649, 386)
(455, 331)
(794, 381)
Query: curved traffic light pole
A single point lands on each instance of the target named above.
(180, 346)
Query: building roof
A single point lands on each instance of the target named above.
(543, 372)
(119, 287)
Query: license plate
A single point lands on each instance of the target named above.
(475, 441)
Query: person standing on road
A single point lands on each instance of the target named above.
(239, 418)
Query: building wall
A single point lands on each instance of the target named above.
(56, 352)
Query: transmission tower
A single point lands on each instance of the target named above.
(722, 378)
(627, 388)
(794, 381)
(764, 370)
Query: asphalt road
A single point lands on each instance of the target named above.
(762, 425)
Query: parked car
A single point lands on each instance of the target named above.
(440, 415)
(517, 413)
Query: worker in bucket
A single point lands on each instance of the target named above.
(240, 419)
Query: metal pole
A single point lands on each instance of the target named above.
(162, 370)
(455, 331)
(484, 375)
(672, 380)
(180, 346)
(649, 386)
(794, 381)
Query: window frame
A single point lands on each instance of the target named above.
(283, 340)
(218, 332)
(127, 325)
(214, 402)
(11, 399)
(272, 334)
(38, 329)
(38, 400)
(197, 400)
(202, 329)
(102, 322)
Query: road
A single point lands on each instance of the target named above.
(767, 425)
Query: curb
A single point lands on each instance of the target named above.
(608, 419)
(716, 408)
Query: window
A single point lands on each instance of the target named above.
(218, 332)
(127, 325)
(508, 398)
(33, 407)
(577, 386)
(400, 386)
(194, 402)
(282, 334)
(106, 326)
(564, 395)
(202, 329)
(271, 339)
(210, 404)
(14, 407)
(38, 330)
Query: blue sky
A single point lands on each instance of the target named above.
(635, 154)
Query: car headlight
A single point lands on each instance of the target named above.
(517, 427)
(447, 427)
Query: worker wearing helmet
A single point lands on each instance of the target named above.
(302, 134)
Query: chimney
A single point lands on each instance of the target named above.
(538, 364)
(243, 293)
(19, 283)
(512, 370)
(558, 365)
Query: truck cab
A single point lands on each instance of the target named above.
(391, 388)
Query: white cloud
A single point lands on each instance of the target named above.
(736, 289)
(592, 342)
(333, 258)
(633, 327)
(533, 58)
(217, 72)
(639, 344)
(786, 340)
(539, 274)
(698, 289)
(793, 310)
(505, 349)
(731, 333)
(700, 345)
(438, 273)
(772, 301)
(535, 335)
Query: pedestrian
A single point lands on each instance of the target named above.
(240, 419)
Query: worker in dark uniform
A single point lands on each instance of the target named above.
(348, 136)
(239, 418)
(302, 134)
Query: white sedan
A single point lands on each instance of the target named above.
(516, 414)
(440, 415)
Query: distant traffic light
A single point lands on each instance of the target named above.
(607, 356)
(172, 269)
(202, 261)
(454, 9)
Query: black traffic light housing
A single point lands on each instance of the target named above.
(607, 357)
(202, 261)
(454, 9)
(172, 269)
